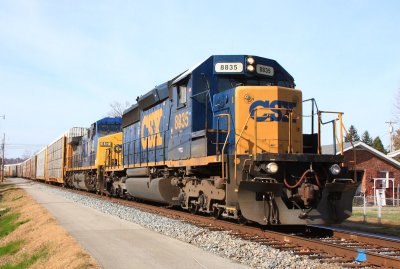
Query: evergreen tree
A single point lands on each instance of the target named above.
(352, 135)
(377, 144)
(366, 138)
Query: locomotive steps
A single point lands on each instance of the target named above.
(30, 236)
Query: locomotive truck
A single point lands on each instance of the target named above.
(226, 138)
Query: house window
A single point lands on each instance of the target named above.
(385, 175)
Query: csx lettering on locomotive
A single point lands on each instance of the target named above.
(151, 128)
(276, 115)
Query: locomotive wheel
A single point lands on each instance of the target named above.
(217, 212)
(112, 191)
(117, 192)
(194, 208)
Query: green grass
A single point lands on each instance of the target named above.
(8, 223)
(389, 214)
(5, 185)
(393, 230)
(4, 211)
(390, 221)
(27, 261)
(17, 198)
(11, 248)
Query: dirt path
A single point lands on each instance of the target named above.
(44, 243)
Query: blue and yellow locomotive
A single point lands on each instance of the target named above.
(226, 138)
(85, 153)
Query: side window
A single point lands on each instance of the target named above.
(182, 91)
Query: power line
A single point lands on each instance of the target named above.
(28, 145)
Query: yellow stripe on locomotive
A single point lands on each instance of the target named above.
(262, 117)
(109, 151)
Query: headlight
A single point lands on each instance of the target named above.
(250, 68)
(272, 168)
(250, 60)
(335, 169)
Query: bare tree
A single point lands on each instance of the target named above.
(397, 105)
(117, 109)
(396, 139)
(27, 154)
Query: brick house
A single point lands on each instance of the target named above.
(370, 165)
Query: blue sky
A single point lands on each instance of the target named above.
(63, 62)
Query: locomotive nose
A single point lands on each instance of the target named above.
(262, 202)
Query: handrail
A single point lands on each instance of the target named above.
(226, 141)
(254, 112)
(339, 114)
(255, 117)
(354, 151)
(313, 104)
(340, 139)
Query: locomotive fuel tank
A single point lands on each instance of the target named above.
(157, 189)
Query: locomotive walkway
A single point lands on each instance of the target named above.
(117, 243)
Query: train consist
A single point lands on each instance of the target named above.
(224, 137)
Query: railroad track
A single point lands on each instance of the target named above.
(340, 247)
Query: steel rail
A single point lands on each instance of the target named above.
(382, 242)
(372, 258)
(298, 242)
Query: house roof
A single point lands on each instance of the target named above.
(394, 153)
(328, 149)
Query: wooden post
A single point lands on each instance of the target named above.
(2, 163)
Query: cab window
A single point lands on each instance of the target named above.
(182, 93)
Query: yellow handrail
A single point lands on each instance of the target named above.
(226, 142)
(340, 139)
(254, 112)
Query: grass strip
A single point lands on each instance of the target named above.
(11, 248)
(27, 261)
(17, 198)
(9, 223)
(5, 185)
(3, 211)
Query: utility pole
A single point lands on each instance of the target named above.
(2, 147)
(391, 134)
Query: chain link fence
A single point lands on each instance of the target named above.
(371, 201)
(376, 209)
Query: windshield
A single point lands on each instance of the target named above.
(226, 83)
(109, 128)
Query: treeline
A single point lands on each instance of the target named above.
(353, 136)
(13, 160)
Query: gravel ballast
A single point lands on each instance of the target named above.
(220, 243)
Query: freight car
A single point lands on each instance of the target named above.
(10, 170)
(225, 137)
